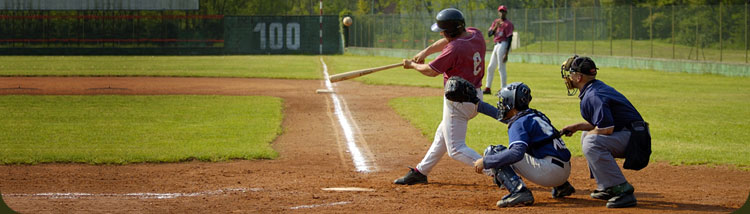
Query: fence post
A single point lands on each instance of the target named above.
(526, 25)
(541, 43)
(610, 32)
(746, 32)
(631, 29)
(651, 28)
(593, 34)
(557, 28)
(696, 40)
(721, 39)
(673, 42)
(575, 20)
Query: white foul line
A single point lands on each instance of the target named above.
(140, 195)
(321, 205)
(359, 160)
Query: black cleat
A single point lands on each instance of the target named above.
(606, 194)
(412, 177)
(623, 200)
(563, 190)
(601, 195)
(520, 198)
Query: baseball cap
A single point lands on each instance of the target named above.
(584, 65)
(502, 8)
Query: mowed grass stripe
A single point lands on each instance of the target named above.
(128, 129)
(263, 66)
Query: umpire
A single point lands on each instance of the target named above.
(612, 127)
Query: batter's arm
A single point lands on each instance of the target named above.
(425, 69)
(434, 48)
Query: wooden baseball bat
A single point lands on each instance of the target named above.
(359, 73)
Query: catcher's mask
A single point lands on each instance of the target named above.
(565, 73)
(582, 65)
(514, 96)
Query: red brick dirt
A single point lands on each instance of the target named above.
(313, 155)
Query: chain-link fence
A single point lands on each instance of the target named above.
(109, 29)
(703, 33)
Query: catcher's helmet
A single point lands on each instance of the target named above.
(449, 20)
(514, 96)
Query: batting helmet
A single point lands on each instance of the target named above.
(514, 96)
(449, 20)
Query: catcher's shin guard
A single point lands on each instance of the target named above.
(506, 177)
(519, 194)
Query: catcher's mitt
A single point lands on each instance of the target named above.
(458, 89)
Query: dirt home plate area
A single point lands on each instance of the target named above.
(315, 171)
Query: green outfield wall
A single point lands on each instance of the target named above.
(149, 33)
(281, 35)
(696, 67)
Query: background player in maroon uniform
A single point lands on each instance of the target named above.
(502, 30)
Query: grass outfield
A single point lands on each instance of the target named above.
(127, 129)
(261, 66)
(661, 49)
(695, 119)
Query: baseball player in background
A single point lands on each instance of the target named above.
(462, 55)
(610, 121)
(535, 150)
(502, 30)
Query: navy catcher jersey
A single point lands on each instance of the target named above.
(534, 131)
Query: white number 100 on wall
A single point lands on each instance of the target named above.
(276, 35)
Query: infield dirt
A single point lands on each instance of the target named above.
(313, 156)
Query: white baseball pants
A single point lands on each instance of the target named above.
(450, 135)
(542, 171)
(496, 62)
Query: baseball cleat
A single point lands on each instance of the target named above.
(621, 201)
(601, 195)
(520, 198)
(563, 190)
(412, 177)
(608, 193)
(487, 91)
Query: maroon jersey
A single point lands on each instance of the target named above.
(503, 31)
(463, 57)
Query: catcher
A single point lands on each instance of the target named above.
(535, 149)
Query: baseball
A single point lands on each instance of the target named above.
(347, 21)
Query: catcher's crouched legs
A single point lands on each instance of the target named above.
(506, 177)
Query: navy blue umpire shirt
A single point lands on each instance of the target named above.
(604, 107)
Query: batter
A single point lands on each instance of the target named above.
(462, 55)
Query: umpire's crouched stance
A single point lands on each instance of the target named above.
(535, 150)
(613, 129)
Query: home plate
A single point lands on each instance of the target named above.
(349, 189)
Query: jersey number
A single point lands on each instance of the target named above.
(548, 130)
(477, 63)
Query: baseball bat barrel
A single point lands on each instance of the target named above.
(359, 73)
